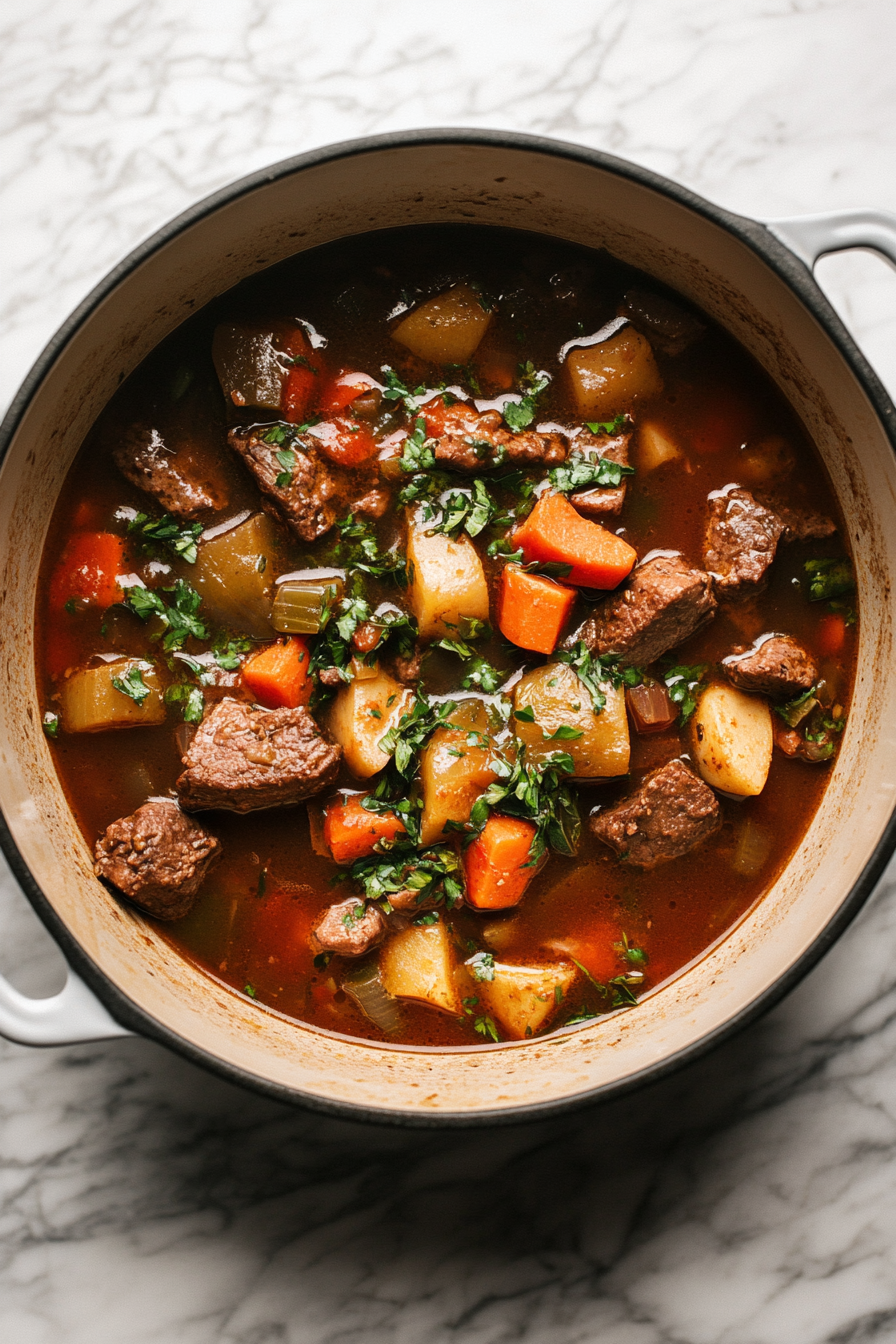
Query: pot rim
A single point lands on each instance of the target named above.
(787, 266)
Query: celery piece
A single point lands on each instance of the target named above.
(302, 603)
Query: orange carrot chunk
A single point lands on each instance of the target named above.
(278, 676)
(495, 863)
(351, 832)
(342, 391)
(831, 635)
(88, 571)
(532, 610)
(555, 531)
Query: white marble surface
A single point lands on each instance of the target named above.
(749, 1200)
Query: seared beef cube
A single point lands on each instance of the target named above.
(305, 500)
(805, 524)
(598, 500)
(779, 667)
(670, 814)
(664, 602)
(166, 472)
(474, 441)
(408, 670)
(242, 759)
(741, 539)
(158, 858)
(349, 928)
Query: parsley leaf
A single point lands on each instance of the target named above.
(132, 683)
(520, 414)
(396, 390)
(581, 470)
(433, 874)
(417, 453)
(596, 673)
(413, 730)
(607, 426)
(190, 699)
(681, 684)
(179, 537)
(536, 793)
(829, 578)
(180, 616)
(364, 554)
(482, 966)
(51, 724)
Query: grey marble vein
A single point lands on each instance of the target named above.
(748, 1200)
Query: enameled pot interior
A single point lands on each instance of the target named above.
(568, 197)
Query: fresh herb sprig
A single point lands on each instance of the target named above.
(175, 535)
(179, 616)
(596, 672)
(532, 382)
(681, 686)
(538, 793)
(132, 684)
(581, 471)
(362, 552)
(829, 578)
(434, 875)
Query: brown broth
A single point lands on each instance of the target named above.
(250, 924)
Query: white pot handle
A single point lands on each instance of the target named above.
(812, 236)
(73, 1015)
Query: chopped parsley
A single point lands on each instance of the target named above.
(536, 793)
(407, 739)
(582, 470)
(361, 552)
(396, 390)
(597, 672)
(829, 578)
(482, 966)
(609, 427)
(417, 452)
(190, 699)
(467, 511)
(178, 537)
(132, 684)
(520, 414)
(287, 460)
(434, 875)
(51, 724)
(179, 616)
(681, 686)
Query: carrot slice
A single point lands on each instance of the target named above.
(278, 676)
(345, 441)
(532, 610)
(343, 390)
(351, 832)
(301, 386)
(831, 634)
(554, 531)
(494, 864)
(88, 570)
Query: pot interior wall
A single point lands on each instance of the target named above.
(571, 199)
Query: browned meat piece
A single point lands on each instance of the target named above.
(794, 744)
(408, 670)
(307, 501)
(242, 759)
(664, 602)
(374, 504)
(777, 666)
(166, 472)
(668, 326)
(596, 501)
(741, 539)
(330, 676)
(670, 814)
(805, 524)
(349, 928)
(471, 441)
(158, 858)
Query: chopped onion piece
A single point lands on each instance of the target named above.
(363, 984)
(650, 708)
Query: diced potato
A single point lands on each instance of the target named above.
(418, 963)
(90, 703)
(522, 998)
(361, 715)
(447, 582)
(766, 462)
(446, 329)
(454, 770)
(234, 573)
(558, 698)
(248, 364)
(655, 446)
(607, 378)
(732, 739)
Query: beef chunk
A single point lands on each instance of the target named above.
(805, 524)
(779, 667)
(158, 858)
(663, 603)
(242, 759)
(307, 501)
(166, 472)
(741, 539)
(599, 500)
(349, 928)
(670, 814)
(408, 670)
(474, 441)
(668, 326)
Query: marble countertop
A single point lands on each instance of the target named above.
(749, 1199)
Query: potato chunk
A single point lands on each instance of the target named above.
(454, 770)
(522, 998)
(447, 582)
(732, 739)
(655, 447)
(418, 963)
(446, 329)
(91, 703)
(361, 715)
(556, 698)
(607, 378)
(234, 574)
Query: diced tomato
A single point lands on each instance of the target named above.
(831, 635)
(88, 570)
(345, 441)
(303, 382)
(343, 390)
